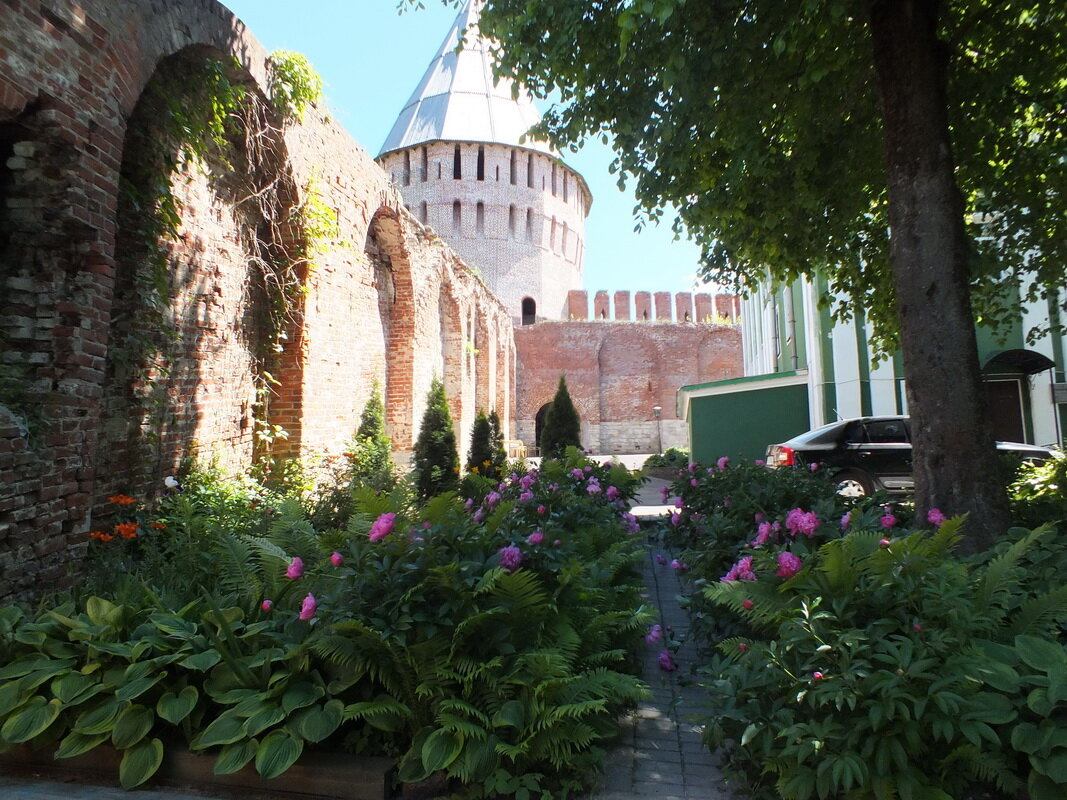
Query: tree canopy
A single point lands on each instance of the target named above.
(760, 122)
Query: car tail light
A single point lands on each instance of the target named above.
(779, 455)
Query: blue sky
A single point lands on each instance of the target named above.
(372, 57)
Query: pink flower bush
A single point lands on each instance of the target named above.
(741, 571)
(763, 534)
(722, 462)
(846, 520)
(679, 502)
(535, 538)
(540, 509)
(510, 557)
(747, 605)
(612, 493)
(383, 526)
(307, 608)
(492, 499)
(526, 497)
(655, 633)
(935, 517)
(665, 493)
(788, 565)
(296, 569)
(681, 566)
(884, 543)
(267, 605)
(814, 466)
(817, 676)
(631, 523)
(799, 522)
(661, 559)
(337, 559)
(676, 520)
(694, 482)
(666, 662)
(888, 520)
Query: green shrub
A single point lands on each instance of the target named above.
(1039, 492)
(671, 458)
(483, 455)
(562, 427)
(436, 458)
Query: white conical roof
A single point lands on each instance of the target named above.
(458, 99)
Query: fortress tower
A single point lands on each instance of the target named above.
(509, 206)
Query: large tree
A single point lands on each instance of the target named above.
(911, 151)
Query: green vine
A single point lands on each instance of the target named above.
(293, 84)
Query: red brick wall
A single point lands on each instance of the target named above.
(617, 372)
(395, 305)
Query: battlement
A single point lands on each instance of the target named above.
(701, 307)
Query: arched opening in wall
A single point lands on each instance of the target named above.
(424, 213)
(457, 217)
(481, 163)
(17, 151)
(457, 164)
(424, 171)
(392, 358)
(407, 168)
(529, 171)
(539, 424)
(207, 310)
(479, 218)
(511, 221)
(513, 168)
(529, 311)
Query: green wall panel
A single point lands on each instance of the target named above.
(742, 424)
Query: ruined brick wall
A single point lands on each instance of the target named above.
(521, 224)
(618, 372)
(384, 300)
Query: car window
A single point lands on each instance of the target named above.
(886, 431)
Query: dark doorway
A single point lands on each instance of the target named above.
(529, 311)
(539, 423)
(1005, 401)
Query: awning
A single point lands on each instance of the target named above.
(1027, 362)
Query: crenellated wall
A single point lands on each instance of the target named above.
(82, 414)
(644, 306)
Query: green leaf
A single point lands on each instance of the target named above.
(140, 763)
(74, 744)
(277, 753)
(30, 720)
(440, 749)
(318, 722)
(69, 686)
(510, 715)
(101, 718)
(201, 662)
(226, 729)
(11, 694)
(176, 707)
(299, 695)
(135, 689)
(103, 612)
(1040, 787)
(132, 726)
(271, 714)
(1026, 738)
(1039, 653)
(234, 756)
(1056, 766)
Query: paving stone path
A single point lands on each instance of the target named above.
(658, 755)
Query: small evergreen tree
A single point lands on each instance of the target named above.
(372, 461)
(480, 457)
(500, 456)
(436, 458)
(562, 425)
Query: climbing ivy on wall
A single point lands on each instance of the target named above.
(293, 84)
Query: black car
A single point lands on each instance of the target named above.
(867, 454)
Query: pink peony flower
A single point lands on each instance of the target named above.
(479, 515)
(888, 521)
(492, 499)
(747, 605)
(661, 559)
(540, 509)
(694, 482)
(813, 466)
(383, 526)
(846, 520)
(612, 493)
(816, 676)
(526, 497)
(593, 488)
(935, 517)
(917, 626)
(758, 517)
(577, 474)
(788, 565)
(801, 522)
(681, 566)
(666, 662)
(631, 523)
(679, 503)
(526, 481)
(267, 605)
(557, 543)
(535, 538)
(510, 557)
(665, 492)
(884, 543)
(676, 519)
(692, 466)
(307, 608)
(742, 647)
(759, 462)
(722, 462)
(655, 633)
(296, 568)
(337, 559)
(742, 570)
(763, 534)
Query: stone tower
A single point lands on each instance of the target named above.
(509, 206)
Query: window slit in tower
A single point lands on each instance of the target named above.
(511, 221)
(425, 172)
(407, 167)
(529, 225)
(457, 216)
(553, 180)
(481, 163)
(479, 218)
(457, 164)
(529, 171)
(424, 213)
(511, 174)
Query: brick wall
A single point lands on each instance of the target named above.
(617, 373)
(385, 300)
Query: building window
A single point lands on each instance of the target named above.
(552, 236)
(438, 170)
(481, 163)
(529, 171)
(529, 225)
(479, 218)
(457, 217)
(529, 311)
(424, 213)
(553, 180)
(425, 172)
(566, 191)
(513, 168)
(407, 167)
(511, 221)
(457, 165)
(563, 247)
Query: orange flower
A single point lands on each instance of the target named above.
(103, 537)
(122, 499)
(95, 534)
(159, 526)
(127, 530)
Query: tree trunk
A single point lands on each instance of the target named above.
(955, 460)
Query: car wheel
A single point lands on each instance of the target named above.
(853, 483)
